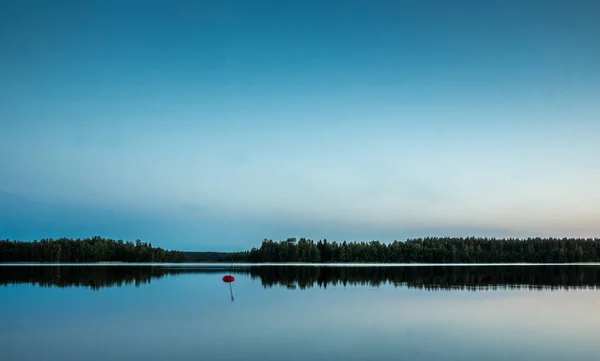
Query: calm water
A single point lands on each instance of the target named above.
(299, 313)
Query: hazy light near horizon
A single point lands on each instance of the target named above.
(363, 116)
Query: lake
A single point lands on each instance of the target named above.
(186, 312)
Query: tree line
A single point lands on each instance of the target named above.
(428, 250)
(94, 249)
(421, 250)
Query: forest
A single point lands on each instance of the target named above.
(94, 249)
(421, 250)
(429, 250)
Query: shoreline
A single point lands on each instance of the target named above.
(296, 264)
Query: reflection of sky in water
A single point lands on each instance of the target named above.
(191, 317)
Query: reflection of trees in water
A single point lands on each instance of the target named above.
(79, 276)
(433, 278)
(429, 278)
(94, 277)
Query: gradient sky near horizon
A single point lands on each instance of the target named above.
(215, 124)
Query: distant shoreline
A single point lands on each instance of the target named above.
(303, 251)
(295, 264)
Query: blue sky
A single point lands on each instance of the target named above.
(213, 125)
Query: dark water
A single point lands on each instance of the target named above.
(300, 313)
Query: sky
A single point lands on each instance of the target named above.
(211, 125)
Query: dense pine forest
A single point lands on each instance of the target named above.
(429, 250)
(94, 249)
(422, 250)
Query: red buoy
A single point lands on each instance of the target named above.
(228, 278)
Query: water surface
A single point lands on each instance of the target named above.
(186, 312)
